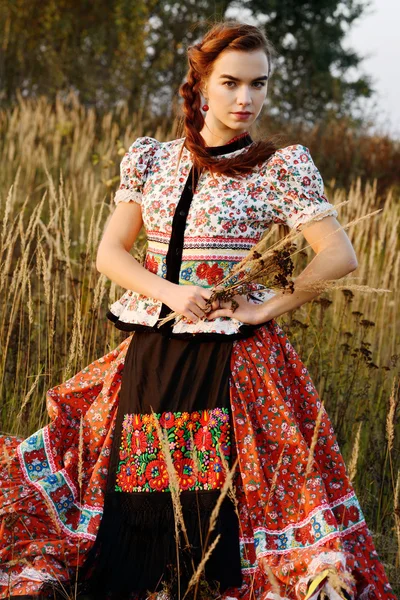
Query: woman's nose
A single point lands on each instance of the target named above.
(244, 96)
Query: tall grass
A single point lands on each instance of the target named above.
(59, 172)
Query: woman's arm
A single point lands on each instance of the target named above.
(335, 258)
(115, 261)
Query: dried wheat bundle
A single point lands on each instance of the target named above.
(272, 266)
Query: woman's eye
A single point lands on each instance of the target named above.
(257, 84)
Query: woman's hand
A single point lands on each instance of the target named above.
(188, 300)
(246, 312)
(191, 302)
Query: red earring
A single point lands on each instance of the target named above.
(205, 107)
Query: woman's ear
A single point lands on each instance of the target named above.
(203, 92)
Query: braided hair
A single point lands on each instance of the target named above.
(201, 56)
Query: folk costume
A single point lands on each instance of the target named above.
(92, 488)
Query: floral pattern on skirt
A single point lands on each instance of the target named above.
(295, 522)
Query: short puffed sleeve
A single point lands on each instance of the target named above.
(133, 169)
(295, 188)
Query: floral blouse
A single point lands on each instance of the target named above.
(198, 229)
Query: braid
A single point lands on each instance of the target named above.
(235, 36)
(193, 117)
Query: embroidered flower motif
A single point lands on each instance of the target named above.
(137, 422)
(139, 441)
(205, 416)
(151, 263)
(304, 534)
(354, 514)
(202, 271)
(127, 477)
(179, 422)
(203, 439)
(185, 474)
(216, 474)
(36, 461)
(157, 475)
(127, 423)
(142, 464)
(94, 523)
(329, 518)
(167, 420)
(342, 515)
(212, 273)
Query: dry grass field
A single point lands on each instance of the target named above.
(59, 170)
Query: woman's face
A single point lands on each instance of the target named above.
(235, 90)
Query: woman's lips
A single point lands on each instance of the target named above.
(242, 115)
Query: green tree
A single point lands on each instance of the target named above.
(134, 50)
(312, 73)
(54, 45)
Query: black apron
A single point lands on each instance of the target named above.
(186, 384)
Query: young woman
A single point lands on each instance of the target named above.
(222, 384)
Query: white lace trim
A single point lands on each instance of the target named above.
(309, 215)
(125, 195)
(28, 573)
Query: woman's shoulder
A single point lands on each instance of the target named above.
(144, 143)
(293, 161)
(291, 155)
(147, 142)
(147, 147)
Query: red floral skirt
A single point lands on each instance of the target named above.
(301, 529)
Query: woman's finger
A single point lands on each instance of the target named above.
(196, 310)
(191, 316)
(205, 292)
(221, 312)
(215, 305)
(201, 303)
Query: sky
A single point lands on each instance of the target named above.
(375, 36)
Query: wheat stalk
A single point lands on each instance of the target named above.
(396, 512)
(314, 440)
(393, 402)
(206, 552)
(29, 395)
(355, 453)
(194, 580)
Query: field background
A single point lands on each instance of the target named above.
(60, 168)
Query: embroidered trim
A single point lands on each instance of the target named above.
(196, 441)
(39, 469)
(326, 523)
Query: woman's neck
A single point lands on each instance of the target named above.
(213, 140)
(237, 137)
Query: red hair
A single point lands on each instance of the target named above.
(222, 36)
